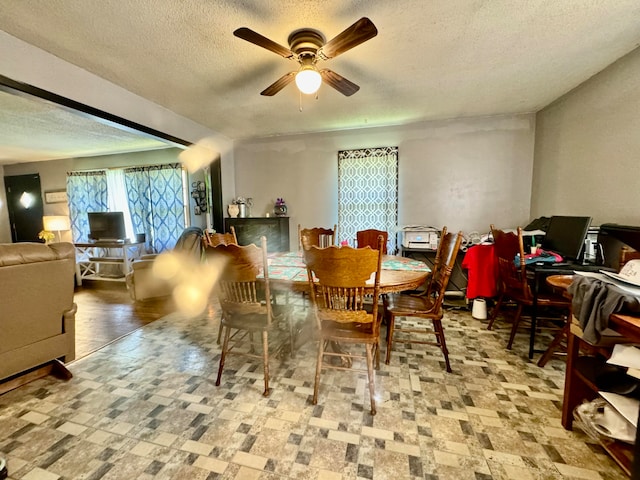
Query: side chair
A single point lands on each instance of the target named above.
(210, 240)
(247, 309)
(318, 236)
(338, 298)
(513, 281)
(426, 305)
(215, 239)
(369, 238)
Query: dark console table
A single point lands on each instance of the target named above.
(249, 230)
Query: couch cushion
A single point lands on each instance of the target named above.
(25, 252)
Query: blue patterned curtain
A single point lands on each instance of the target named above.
(156, 202)
(368, 192)
(87, 192)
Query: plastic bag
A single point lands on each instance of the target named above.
(598, 419)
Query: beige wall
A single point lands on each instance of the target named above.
(587, 149)
(464, 174)
(53, 176)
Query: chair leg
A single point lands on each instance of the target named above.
(265, 361)
(439, 331)
(376, 353)
(372, 387)
(219, 333)
(514, 327)
(223, 354)
(494, 314)
(555, 343)
(316, 385)
(391, 320)
(292, 340)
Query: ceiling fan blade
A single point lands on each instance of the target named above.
(279, 84)
(344, 86)
(359, 32)
(257, 39)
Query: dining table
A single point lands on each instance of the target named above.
(288, 271)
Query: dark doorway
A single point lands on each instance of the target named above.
(24, 204)
(216, 195)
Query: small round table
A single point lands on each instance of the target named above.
(560, 283)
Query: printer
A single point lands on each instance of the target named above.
(420, 236)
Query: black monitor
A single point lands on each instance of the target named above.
(106, 226)
(566, 236)
(611, 239)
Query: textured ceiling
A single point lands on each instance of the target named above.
(436, 59)
(36, 130)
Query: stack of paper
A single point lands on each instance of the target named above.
(626, 355)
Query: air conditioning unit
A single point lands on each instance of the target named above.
(419, 236)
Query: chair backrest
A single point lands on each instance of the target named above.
(443, 265)
(215, 239)
(513, 277)
(318, 236)
(369, 238)
(239, 288)
(340, 279)
(190, 241)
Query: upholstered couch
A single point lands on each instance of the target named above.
(37, 313)
(142, 282)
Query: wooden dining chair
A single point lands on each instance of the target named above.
(215, 239)
(318, 236)
(369, 238)
(338, 296)
(513, 282)
(247, 310)
(426, 305)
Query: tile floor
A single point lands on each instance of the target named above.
(146, 407)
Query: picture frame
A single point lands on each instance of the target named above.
(55, 196)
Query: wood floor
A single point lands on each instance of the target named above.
(106, 313)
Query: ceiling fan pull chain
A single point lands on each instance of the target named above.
(300, 100)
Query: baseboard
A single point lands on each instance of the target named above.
(55, 368)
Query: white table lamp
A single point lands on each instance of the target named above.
(56, 223)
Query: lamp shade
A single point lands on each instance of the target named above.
(56, 223)
(308, 79)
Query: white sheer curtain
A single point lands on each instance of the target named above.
(117, 198)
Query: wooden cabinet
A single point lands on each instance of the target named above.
(580, 385)
(249, 230)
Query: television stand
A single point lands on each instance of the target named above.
(94, 258)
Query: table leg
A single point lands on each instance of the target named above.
(534, 316)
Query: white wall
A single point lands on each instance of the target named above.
(24, 63)
(465, 174)
(587, 149)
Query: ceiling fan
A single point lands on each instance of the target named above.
(307, 46)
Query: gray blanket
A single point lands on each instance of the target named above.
(593, 301)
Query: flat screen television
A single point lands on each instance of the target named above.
(107, 226)
(566, 236)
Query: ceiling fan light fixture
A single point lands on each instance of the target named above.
(308, 79)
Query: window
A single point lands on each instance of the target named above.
(368, 192)
(153, 199)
